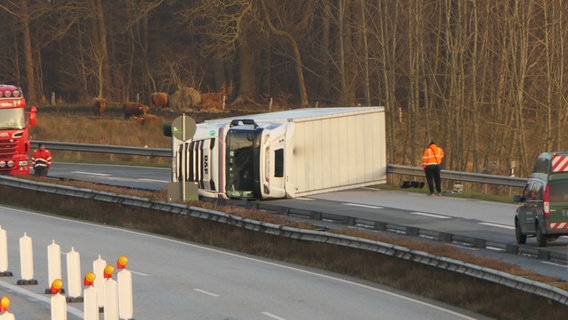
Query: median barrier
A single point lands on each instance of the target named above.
(442, 263)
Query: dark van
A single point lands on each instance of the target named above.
(543, 209)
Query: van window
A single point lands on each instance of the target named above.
(534, 191)
(559, 191)
(542, 165)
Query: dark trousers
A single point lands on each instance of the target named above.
(433, 177)
(40, 171)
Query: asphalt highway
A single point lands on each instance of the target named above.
(180, 280)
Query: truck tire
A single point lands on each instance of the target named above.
(540, 238)
(521, 238)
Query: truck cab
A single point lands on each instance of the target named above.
(543, 208)
(15, 122)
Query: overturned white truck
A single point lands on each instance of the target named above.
(284, 154)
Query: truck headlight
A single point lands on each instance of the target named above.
(23, 163)
(10, 163)
(2, 164)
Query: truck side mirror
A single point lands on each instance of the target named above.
(33, 116)
(518, 198)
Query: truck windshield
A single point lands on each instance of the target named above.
(242, 170)
(12, 118)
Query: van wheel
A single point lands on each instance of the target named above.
(521, 238)
(540, 238)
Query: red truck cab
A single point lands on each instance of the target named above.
(15, 124)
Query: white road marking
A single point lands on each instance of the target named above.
(270, 315)
(431, 215)
(91, 173)
(554, 264)
(152, 180)
(362, 205)
(503, 226)
(206, 292)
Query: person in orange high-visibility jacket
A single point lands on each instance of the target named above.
(41, 160)
(432, 162)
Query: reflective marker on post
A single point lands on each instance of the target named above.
(4, 305)
(111, 295)
(124, 278)
(58, 302)
(90, 306)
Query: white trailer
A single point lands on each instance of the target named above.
(285, 154)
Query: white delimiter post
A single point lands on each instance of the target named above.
(99, 283)
(125, 305)
(111, 300)
(4, 253)
(7, 316)
(53, 263)
(74, 276)
(58, 307)
(26, 260)
(90, 306)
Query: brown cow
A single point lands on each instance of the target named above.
(160, 100)
(134, 109)
(99, 105)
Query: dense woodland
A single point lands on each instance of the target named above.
(484, 79)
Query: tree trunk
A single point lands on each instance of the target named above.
(296, 53)
(28, 53)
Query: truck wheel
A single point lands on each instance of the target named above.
(521, 238)
(540, 238)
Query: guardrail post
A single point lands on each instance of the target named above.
(445, 237)
(412, 231)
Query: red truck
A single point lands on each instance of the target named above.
(15, 124)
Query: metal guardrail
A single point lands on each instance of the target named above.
(103, 148)
(417, 256)
(391, 168)
(461, 176)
